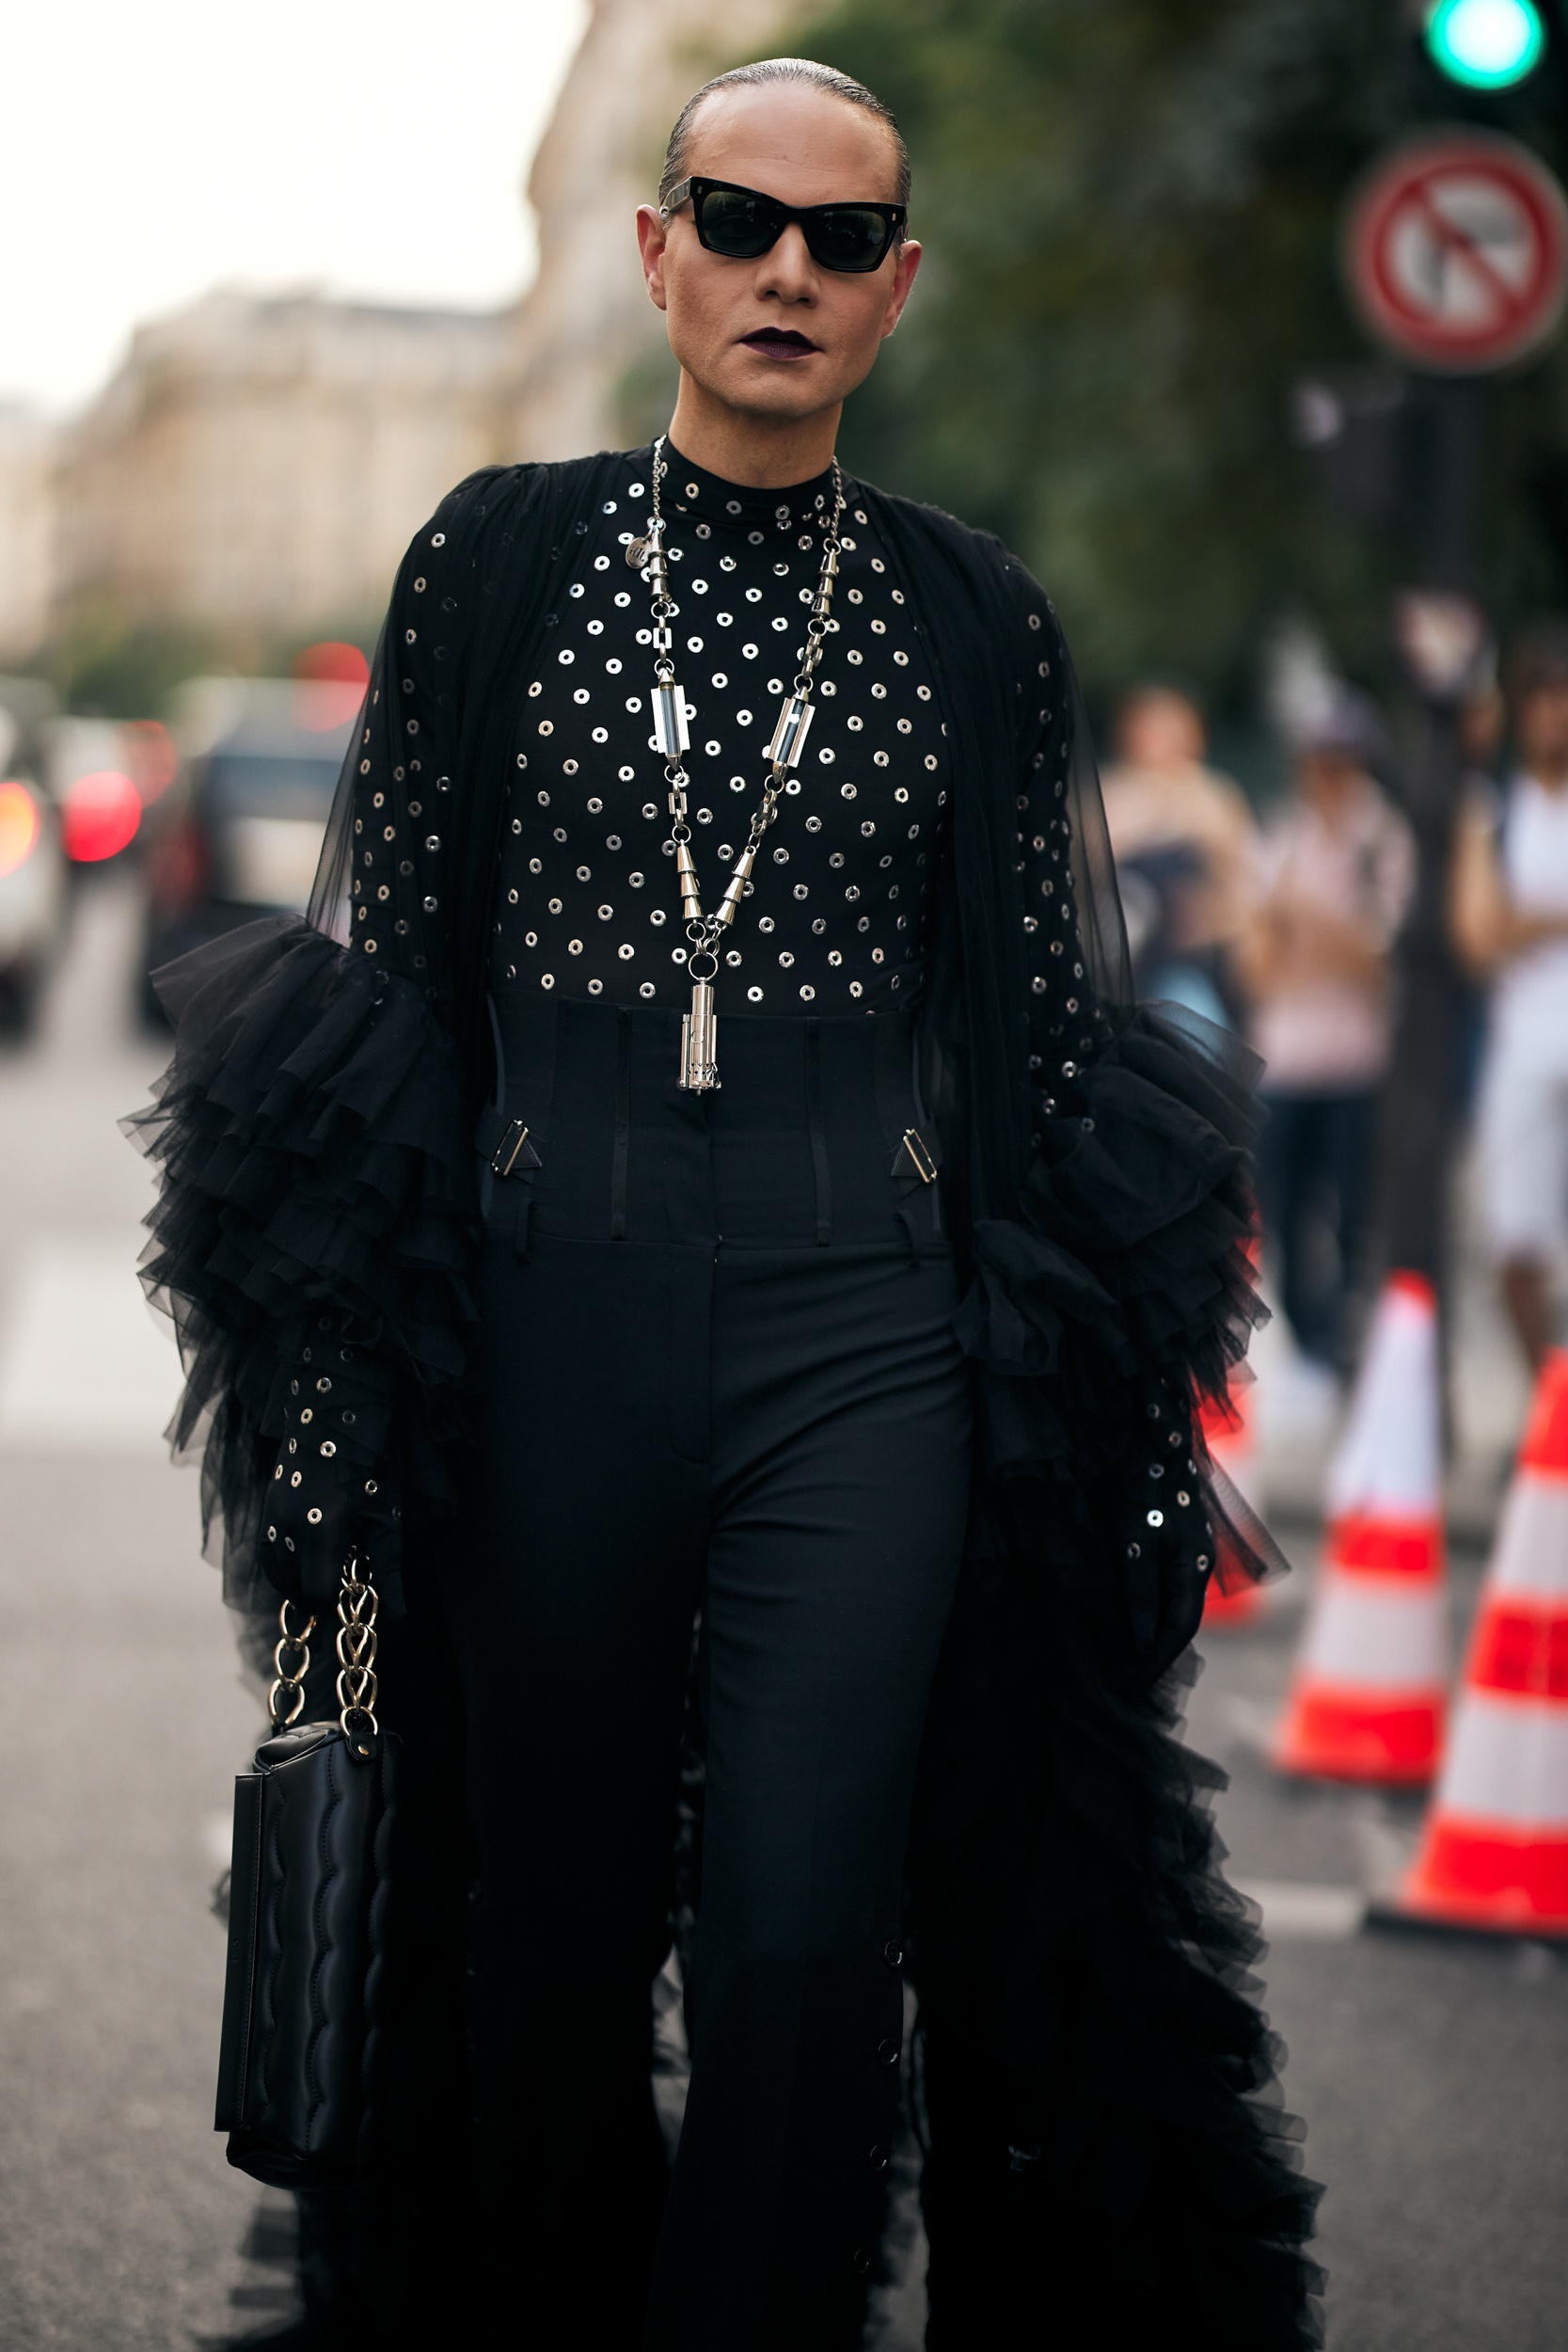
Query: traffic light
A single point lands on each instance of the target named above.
(1485, 44)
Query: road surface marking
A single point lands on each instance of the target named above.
(83, 1366)
(1294, 1911)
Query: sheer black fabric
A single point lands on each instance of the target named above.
(1098, 2074)
(312, 1141)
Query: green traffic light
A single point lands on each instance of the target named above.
(1485, 44)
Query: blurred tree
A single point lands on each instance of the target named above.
(107, 662)
(1131, 211)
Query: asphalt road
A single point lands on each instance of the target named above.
(1431, 2072)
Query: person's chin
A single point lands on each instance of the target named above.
(777, 388)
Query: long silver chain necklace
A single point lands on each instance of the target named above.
(700, 1026)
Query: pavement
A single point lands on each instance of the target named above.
(1430, 2069)
(123, 1721)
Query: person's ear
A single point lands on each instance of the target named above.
(906, 261)
(652, 237)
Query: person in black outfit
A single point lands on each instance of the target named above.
(756, 1290)
(780, 1439)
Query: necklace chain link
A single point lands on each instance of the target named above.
(647, 555)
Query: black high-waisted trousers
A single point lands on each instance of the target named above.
(721, 1378)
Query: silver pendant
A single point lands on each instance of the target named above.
(700, 1041)
(669, 734)
(789, 736)
(646, 553)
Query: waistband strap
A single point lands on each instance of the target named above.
(622, 1126)
(819, 1140)
(868, 1054)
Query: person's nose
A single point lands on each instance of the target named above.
(786, 270)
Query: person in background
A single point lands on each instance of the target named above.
(1335, 875)
(1509, 923)
(1184, 844)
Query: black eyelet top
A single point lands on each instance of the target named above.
(833, 920)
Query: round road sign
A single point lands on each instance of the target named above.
(1456, 250)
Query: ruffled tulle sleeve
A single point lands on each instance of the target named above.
(1109, 2159)
(1133, 1252)
(314, 1164)
(312, 1132)
(1064, 1823)
(1121, 1293)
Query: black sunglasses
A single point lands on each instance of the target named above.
(743, 224)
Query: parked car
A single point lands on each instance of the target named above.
(34, 901)
(239, 831)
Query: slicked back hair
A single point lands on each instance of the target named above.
(826, 78)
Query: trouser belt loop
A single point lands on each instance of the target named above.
(928, 1126)
(543, 1084)
(622, 1126)
(819, 1140)
(892, 1079)
(484, 1139)
(498, 1049)
(540, 1085)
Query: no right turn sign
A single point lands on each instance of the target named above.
(1456, 250)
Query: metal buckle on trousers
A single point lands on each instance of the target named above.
(924, 1160)
(513, 1154)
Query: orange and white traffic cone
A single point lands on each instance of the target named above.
(1228, 1434)
(1494, 1850)
(1368, 1696)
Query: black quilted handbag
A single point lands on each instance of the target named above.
(310, 1893)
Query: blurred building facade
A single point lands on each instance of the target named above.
(586, 328)
(28, 530)
(257, 463)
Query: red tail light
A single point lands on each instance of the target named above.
(98, 815)
(332, 678)
(19, 826)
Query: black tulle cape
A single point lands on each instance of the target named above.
(1108, 2161)
(314, 1144)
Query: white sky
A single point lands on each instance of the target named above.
(364, 147)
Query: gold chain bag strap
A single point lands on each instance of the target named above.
(300, 2064)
